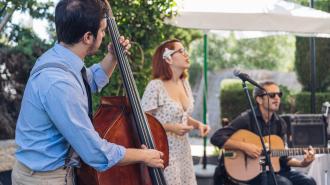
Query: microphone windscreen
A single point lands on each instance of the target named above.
(236, 72)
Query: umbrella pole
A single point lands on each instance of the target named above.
(205, 175)
(313, 73)
(205, 98)
(313, 68)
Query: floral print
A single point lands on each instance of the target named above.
(157, 101)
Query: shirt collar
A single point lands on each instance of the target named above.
(73, 61)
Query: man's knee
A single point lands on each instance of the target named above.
(310, 181)
(283, 180)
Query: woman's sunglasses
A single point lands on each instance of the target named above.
(273, 94)
(181, 51)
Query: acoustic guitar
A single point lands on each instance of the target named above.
(241, 167)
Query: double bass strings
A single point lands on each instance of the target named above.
(134, 98)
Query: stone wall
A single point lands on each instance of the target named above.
(7, 158)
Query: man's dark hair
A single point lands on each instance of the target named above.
(258, 92)
(73, 18)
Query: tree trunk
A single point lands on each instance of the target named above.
(6, 18)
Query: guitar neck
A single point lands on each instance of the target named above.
(297, 151)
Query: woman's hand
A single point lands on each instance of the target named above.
(181, 129)
(203, 129)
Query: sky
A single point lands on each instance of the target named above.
(38, 26)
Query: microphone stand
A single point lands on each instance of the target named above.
(263, 162)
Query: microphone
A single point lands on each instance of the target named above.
(246, 77)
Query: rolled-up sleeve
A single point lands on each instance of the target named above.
(97, 77)
(69, 114)
(220, 137)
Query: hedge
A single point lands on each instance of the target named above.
(303, 100)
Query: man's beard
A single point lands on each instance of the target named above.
(92, 49)
(273, 108)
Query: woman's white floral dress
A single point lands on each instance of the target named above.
(157, 101)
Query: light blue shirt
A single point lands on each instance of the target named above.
(54, 115)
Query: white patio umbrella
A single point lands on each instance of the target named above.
(252, 15)
(249, 15)
(245, 34)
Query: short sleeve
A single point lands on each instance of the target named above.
(153, 97)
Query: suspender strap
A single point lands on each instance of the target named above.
(52, 65)
(72, 159)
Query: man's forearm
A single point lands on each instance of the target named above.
(108, 64)
(132, 156)
(295, 163)
(234, 145)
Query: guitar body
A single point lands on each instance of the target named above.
(240, 166)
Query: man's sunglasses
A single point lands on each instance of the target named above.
(273, 94)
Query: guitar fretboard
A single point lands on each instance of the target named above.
(297, 151)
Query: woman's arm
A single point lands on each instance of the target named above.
(203, 129)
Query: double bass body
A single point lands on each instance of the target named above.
(115, 124)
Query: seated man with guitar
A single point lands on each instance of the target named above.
(244, 149)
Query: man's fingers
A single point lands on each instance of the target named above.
(121, 39)
(160, 164)
(144, 147)
(126, 42)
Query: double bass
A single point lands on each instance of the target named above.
(121, 120)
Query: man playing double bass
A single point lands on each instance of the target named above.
(56, 108)
(271, 124)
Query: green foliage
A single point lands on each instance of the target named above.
(16, 64)
(275, 52)
(233, 100)
(303, 63)
(142, 22)
(34, 8)
(195, 74)
(303, 56)
(303, 100)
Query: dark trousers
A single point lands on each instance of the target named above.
(298, 178)
(283, 178)
(286, 178)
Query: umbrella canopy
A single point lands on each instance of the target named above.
(252, 15)
(245, 34)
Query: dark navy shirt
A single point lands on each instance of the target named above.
(276, 126)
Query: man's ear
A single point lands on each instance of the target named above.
(259, 100)
(88, 38)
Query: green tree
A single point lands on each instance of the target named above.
(19, 49)
(273, 52)
(303, 56)
(142, 22)
(139, 20)
(34, 8)
(16, 64)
